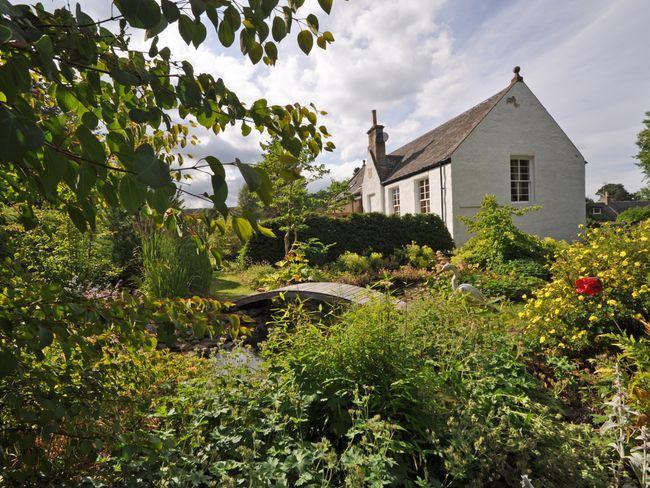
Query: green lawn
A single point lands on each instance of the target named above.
(230, 286)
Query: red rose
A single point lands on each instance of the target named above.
(589, 285)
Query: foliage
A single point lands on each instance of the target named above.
(359, 233)
(58, 253)
(355, 263)
(643, 193)
(81, 108)
(435, 397)
(513, 279)
(634, 215)
(562, 318)
(615, 192)
(497, 239)
(643, 142)
(174, 266)
(292, 202)
(60, 379)
(420, 256)
(295, 267)
(126, 244)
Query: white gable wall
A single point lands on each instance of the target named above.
(372, 192)
(520, 126)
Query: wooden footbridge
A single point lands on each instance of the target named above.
(326, 292)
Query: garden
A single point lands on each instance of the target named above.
(107, 283)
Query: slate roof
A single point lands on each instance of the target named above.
(437, 145)
(356, 182)
(614, 208)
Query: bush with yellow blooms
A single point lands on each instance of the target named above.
(561, 317)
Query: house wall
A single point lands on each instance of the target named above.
(520, 126)
(440, 194)
(372, 190)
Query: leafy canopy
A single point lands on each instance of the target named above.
(615, 191)
(80, 107)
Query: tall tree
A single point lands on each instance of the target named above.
(292, 201)
(643, 141)
(615, 192)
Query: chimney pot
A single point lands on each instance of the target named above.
(374, 118)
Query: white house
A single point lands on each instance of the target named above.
(507, 145)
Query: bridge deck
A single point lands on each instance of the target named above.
(320, 291)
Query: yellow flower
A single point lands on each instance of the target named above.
(611, 302)
(552, 331)
(561, 344)
(637, 264)
(622, 254)
(593, 318)
(522, 315)
(542, 339)
(581, 297)
(626, 262)
(635, 294)
(644, 238)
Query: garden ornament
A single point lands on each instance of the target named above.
(465, 288)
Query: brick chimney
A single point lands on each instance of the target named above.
(605, 198)
(376, 142)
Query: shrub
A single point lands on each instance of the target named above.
(294, 268)
(420, 256)
(634, 215)
(174, 266)
(497, 239)
(358, 233)
(435, 397)
(618, 256)
(57, 252)
(353, 263)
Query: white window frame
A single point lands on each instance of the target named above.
(395, 200)
(521, 182)
(596, 211)
(424, 202)
(371, 197)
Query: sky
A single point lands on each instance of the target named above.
(421, 62)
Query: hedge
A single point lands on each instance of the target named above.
(360, 233)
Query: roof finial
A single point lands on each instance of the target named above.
(517, 77)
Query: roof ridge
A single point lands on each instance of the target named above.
(447, 130)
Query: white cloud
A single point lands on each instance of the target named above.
(422, 62)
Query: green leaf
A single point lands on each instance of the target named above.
(138, 115)
(312, 22)
(170, 11)
(265, 189)
(213, 15)
(199, 34)
(251, 177)
(226, 33)
(305, 41)
(271, 51)
(7, 363)
(55, 165)
(142, 14)
(17, 135)
(326, 5)
(279, 29)
(160, 199)
(5, 33)
(77, 218)
(90, 145)
(132, 193)
(45, 52)
(186, 28)
(150, 170)
(231, 14)
(255, 52)
(242, 228)
(45, 336)
(216, 166)
(90, 120)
